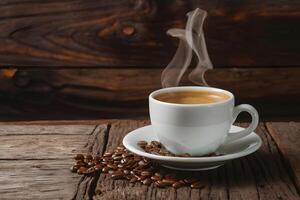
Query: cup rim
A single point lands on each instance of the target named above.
(184, 88)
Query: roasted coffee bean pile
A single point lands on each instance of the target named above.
(157, 148)
(122, 164)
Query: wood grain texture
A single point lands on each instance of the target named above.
(35, 159)
(36, 179)
(258, 176)
(114, 93)
(132, 33)
(287, 137)
(6, 130)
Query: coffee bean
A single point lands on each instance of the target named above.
(107, 154)
(90, 170)
(80, 163)
(197, 185)
(79, 157)
(137, 158)
(168, 181)
(156, 178)
(81, 170)
(126, 155)
(139, 178)
(112, 166)
(126, 172)
(178, 184)
(121, 148)
(142, 143)
(117, 158)
(146, 173)
(158, 174)
(98, 167)
(120, 166)
(117, 175)
(107, 159)
(156, 144)
(105, 169)
(160, 184)
(147, 181)
(74, 168)
(90, 164)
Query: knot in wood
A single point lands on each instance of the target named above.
(128, 30)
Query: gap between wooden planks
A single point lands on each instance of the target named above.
(35, 167)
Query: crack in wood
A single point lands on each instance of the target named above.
(87, 184)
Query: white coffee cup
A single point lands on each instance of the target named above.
(197, 129)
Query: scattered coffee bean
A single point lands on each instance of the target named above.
(156, 178)
(169, 182)
(98, 167)
(142, 143)
(122, 164)
(74, 168)
(161, 184)
(155, 147)
(117, 175)
(196, 185)
(147, 181)
(105, 169)
(156, 144)
(81, 170)
(79, 157)
(178, 184)
(112, 166)
(146, 173)
(107, 154)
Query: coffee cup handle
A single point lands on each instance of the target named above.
(254, 115)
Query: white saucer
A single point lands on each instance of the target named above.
(233, 150)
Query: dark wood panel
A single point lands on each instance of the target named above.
(115, 93)
(132, 33)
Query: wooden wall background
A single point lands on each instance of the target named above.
(84, 59)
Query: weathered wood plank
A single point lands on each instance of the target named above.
(115, 93)
(49, 146)
(41, 146)
(36, 179)
(46, 130)
(287, 137)
(46, 175)
(93, 33)
(262, 175)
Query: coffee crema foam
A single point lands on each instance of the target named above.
(192, 97)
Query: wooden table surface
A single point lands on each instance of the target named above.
(35, 159)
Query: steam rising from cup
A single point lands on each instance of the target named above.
(191, 39)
